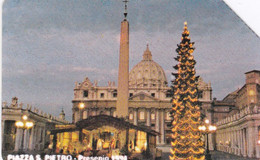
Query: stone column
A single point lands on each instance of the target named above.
(18, 138)
(162, 126)
(25, 141)
(157, 127)
(43, 137)
(148, 119)
(3, 130)
(31, 144)
(35, 138)
(244, 143)
(251, 141)
(235, 142)
(257, 146)
(135, 116)
(240, 141)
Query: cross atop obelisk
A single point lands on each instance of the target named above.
(125, 13)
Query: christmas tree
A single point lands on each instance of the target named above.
(186, 137)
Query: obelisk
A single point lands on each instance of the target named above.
(123, 70)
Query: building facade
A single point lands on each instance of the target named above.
(149, 98)
(34, 139)
(239, 131)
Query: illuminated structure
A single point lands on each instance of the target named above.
(15, 138)
(207, 129)
(24, 124)
(186, 136)
(239, 132)
(103, 134)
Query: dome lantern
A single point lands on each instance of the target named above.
(147, 56)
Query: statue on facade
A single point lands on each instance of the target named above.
(14, 102)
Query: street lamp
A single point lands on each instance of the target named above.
(81, 107)
(207, 129)
(23, 124)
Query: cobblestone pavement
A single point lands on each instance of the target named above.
(216, 155)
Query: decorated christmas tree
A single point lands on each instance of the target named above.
(186, 137)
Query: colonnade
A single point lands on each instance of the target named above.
(239, 140)
(33, 139)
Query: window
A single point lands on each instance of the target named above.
(169, 125)
(200, 94)
(131, 117)
(141, 115)
(168, 116)
(153, 94)
(85, 114)
(130, 94)
(114, 114)
(169, 94)
(102, 95)
(114, 95)
(152, 125)
(85, 93)
(153, 116)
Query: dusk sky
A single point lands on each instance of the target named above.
(49, 45)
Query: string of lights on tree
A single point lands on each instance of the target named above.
(186, 137)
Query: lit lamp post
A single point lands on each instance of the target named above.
(24, 124)
(207, 129)
(81, 107)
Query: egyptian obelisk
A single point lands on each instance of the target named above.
(123, 70)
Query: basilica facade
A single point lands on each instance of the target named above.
(149, 98)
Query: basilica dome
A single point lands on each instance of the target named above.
(147, 73)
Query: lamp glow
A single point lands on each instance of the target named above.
(29, 125)
(25, 117)
(19, 124)
(81, 105)
(212, 128)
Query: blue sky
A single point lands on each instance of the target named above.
(49, 45)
